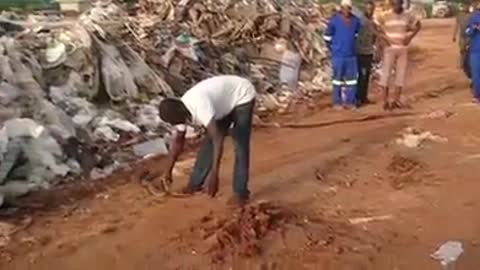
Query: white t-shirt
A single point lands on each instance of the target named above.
(216, 97)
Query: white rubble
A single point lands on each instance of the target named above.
(448, 253)
(412, 138)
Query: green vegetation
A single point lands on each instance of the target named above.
(29, 5)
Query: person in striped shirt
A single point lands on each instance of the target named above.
(400, 28)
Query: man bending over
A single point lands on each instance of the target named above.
(216, 104)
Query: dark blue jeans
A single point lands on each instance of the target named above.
(241, 117)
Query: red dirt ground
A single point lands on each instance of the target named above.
(320, 177)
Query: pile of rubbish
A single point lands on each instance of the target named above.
(279, 47)
(242, 233)
(80, 98)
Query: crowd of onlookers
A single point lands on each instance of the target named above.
(352, 40)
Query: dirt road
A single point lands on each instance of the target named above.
(426, 195)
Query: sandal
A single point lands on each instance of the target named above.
(397, 105)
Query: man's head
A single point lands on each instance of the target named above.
(346, 8)
(173, 111)
(463, 8)
(369, 9)
(398, 6)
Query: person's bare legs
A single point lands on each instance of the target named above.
(400, 75)
(397, 94)
(386, 104)
(388, 61)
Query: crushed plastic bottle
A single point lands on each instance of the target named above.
(448, 253)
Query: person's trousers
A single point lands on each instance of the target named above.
(465, 58)
(394, 59)
(475, 71)
(345, 75)
(241, 117)
(364, 70)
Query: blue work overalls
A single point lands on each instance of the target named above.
(473, 33)
(341, 37)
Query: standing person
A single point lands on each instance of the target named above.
(365, 49)
(341, 35)
(473, 33)
(216, 104)
(461, 23)
(400, 28)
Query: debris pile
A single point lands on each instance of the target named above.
(275, 46)
(242, 233)
(70, 100)
(81, 97)
(406, 171)
(413, 138)
(401, 164)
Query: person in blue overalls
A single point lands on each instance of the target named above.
(473, 32)
(341, 35)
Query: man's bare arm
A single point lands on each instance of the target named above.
(455, 31)
(418, 26)
(413, 33)
(178, 142)
(380, 33)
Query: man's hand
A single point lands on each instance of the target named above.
(163, 182)
(408, 39)
(212, 184)
(454, 39)
(167, 181)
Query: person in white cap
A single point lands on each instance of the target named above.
(341, 35)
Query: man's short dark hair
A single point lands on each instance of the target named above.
(173, 111)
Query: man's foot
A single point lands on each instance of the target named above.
(387, 106)
(238, 201)
(350, 107)
(189, 190)
(337, 107)
(400, 105)
(367, 102)
(397, 105)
